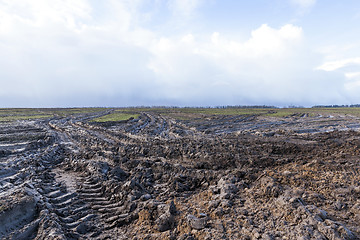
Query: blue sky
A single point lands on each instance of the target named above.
(64, 53)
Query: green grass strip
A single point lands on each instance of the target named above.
(14, 118)
(115, 117)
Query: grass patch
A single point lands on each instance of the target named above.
(193, 113)
(226, 111)
(13, 114)
(115, 117)
(354, 111)
(19, 112)
(63, 112)
(285, 112)
(30, 117)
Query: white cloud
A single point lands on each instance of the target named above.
(338, 64)
(184, 7)
(352, 87)
(265, 43)
(84, 52)
(303, 3)
(225, 66)
(350, 81)
(352, 75)
(68, 53)
(39, 13)
(189, 38)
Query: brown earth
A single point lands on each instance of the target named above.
(211, 177)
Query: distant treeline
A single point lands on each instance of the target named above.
(336, 106)
(239, 106)
(250, 106)
(209, 107)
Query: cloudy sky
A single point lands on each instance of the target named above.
(63, 53)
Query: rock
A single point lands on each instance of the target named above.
(213, 204)
(165, 222)
(339, 205)
(256, 234)
(172, 208)
(267, 236)
(219, 226)
(214, 189)
(243, 211)
(132, 206)
(322, 214)
(181, 187)
(225, 203)
(119, 174)
(219, 212)
(98, 167)
(227, 189)
(357, 189)
(319, 214)
(82, 228)
(146, 197)
(346, 233)
(197, 223)
(187, 237)
(167, 208)
(269, 187)
(286, 173)
(133, 184)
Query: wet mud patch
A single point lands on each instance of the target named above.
(15, 213)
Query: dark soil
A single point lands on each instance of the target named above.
(212, 177)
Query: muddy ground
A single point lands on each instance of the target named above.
(156, 177)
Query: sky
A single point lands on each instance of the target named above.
(114, 53)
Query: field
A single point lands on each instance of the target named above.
(180, 173)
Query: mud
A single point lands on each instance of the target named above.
(211, 177)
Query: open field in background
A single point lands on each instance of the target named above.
(246, 111)
(23, 117)
(13, 114)
(73, 111)
(285, 112)
(191, 113)
(121, 114)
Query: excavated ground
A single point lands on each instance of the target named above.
(155, 177)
